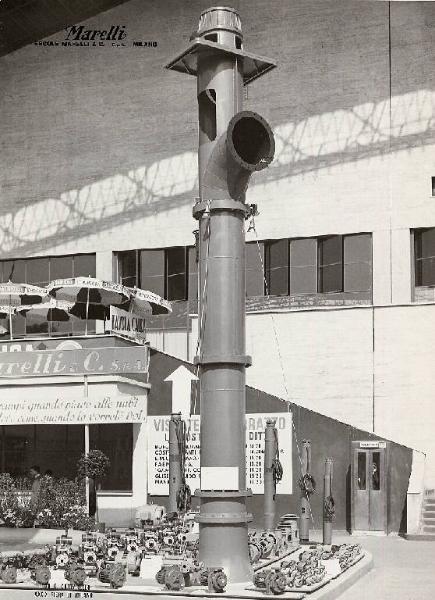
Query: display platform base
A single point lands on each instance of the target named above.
(329, 589)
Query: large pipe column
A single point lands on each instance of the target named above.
(232, 144)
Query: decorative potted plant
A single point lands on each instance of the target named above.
(94, 465)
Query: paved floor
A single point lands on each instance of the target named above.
(403, 570)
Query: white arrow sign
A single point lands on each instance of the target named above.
(181, 390)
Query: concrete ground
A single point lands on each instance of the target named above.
(403, 570)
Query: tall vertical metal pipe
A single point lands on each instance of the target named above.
(232, 145)
(328, 502)
(270, 450)
(304, 523)
(175, 475)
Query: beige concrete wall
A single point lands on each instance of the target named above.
(322, 358)
(404, 378)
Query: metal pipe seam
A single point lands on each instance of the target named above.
(232, 518)
(223, 493)
(236, 359)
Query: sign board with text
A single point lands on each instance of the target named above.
(77, 361)
(127, 324)
(158, 452)
(372, 444)
(80, 410)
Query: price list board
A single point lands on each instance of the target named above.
(158, 452)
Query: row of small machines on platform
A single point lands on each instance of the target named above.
(123, 557)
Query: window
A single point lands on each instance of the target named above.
(56, 448)
(193, 275)
(176, 273)
(345, 263)
(254, 269)
(376, 471)
(152, 271)
(127, 265)
(424, 253)
(362, 470)
(303, 266)
(166, 272)
(116, 441)
(277, 267)
(357, 250)
(433, 186)
(330, 264)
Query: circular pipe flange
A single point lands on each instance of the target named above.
(226, 518)
(223, 493)
(250, 140)
(235, 359)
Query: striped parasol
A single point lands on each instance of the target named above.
(13, 295)
(91, 298)
(145, 302)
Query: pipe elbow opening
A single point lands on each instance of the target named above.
(250, 141)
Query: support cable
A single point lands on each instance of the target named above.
(266, 287)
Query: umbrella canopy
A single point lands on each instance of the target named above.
(50, 310)
(6, 311)
(17, 294)
(91, 298)
(148, 303)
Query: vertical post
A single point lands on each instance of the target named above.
(86, 432)
(270, 450)
(175, 479)
(328, 502)
(304, 525)
(3, 458)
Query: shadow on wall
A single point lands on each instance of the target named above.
(312, 144)
(95, 141)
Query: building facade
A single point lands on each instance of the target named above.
(100, 175)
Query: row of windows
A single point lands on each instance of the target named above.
(327, 264)
(40, 271)
(340, 263)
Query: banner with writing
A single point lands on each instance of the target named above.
(78, 361)
(72, 411)
(158, 452)
(126, 324)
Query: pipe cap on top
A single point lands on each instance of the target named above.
(219, 17)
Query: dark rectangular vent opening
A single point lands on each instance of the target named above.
(207, 113)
